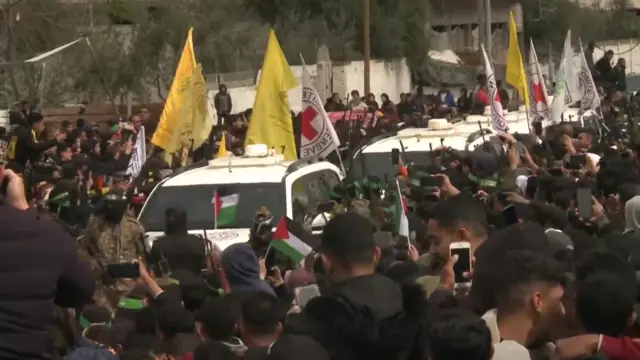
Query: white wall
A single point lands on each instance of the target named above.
(392, 78)
(627, 49)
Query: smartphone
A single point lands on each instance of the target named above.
(305, 293)
(577, 161)
(123, 270)
(395, 156)
(463, 265)
(510, 215)
(431, 181)
(584, 203)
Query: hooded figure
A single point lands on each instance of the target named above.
(242, 270)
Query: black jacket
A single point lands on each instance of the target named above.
(26, 148)
(181, 251)
(367, 317)
(39, 268)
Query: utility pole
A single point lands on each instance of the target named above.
(487, 24)
(366, 13)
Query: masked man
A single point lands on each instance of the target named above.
(113, 236)
(261, 232)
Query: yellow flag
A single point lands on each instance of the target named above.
(202, 121)
(271, 118)
(222, 150)
(167, 133)
(516, 75)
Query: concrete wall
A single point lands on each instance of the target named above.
(392, 78)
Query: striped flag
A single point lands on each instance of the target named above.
(291, 239)
(225, 207)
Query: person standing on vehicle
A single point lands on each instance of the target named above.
(113, 236)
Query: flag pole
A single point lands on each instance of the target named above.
(215, 209)
(344, 172)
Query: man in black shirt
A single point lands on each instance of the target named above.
(178, 249)
(25, 145)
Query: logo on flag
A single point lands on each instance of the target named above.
(498, 121)
(317, 136)
(138, 156)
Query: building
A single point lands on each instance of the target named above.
(460, 25)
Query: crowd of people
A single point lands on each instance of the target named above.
(548, 226)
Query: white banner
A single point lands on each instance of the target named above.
(138, 156)
(498, 121)
(317, 135)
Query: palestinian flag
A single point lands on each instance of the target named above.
(292, 239)
(225, 207)
(402, 223)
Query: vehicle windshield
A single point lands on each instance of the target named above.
(196, 200)
(379, 164)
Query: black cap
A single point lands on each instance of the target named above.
(348, 235)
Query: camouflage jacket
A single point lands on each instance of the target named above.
(108, 243)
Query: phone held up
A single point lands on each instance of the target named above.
(584, 203)
(123, 270)
(463, 265)
(305, 293)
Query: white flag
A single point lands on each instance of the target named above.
(540, 96)
(498, 121)
(571, 88)
(563, 95)
(590, 99)
(317, 135)
(138, 156)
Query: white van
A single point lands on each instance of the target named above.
(292, 188)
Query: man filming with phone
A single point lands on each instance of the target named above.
(40, 268)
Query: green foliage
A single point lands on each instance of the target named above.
(229, 36)
(398, 28)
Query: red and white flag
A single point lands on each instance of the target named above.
(498, 121)
(540, 97)
(317, 135)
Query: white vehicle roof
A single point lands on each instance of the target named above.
(244, 170)
(419, 139)
(270, 169)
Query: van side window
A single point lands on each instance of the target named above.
(310, 190)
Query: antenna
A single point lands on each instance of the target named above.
(442, 158)
(481, 131)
